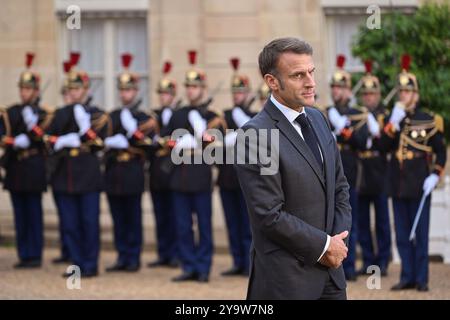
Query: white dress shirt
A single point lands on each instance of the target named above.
(291, 115)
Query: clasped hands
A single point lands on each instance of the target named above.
(336, 252)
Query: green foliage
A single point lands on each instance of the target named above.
(425, 36)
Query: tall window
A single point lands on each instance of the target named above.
(101, 41)
(345, 28)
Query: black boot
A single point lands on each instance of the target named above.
(186, 276)
(403, 286)
(235, 271)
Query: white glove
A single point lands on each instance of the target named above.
(129, 123)
(21, 141)
(338, 121)
(198, 123)
(70, 140)
(82, 118)
(397, 115)
(29, 117)
(369, 143)
(372, 124)
(230, 138)
(165, 116)
(430, 183)
(239, 117)
(188, 141)
(118, 141)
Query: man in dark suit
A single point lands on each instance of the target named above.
(300, 212)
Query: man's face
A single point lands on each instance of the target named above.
(194, 94)
(371, 100)
(67, 99)
(127, 96)
(340, 94)
(27, 95)
(408, 98)
(239, 98)
(78, 94)
(294, 85)
(166, 99)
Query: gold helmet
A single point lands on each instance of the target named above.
(166, 84)
(127, 79)
(341, 78)
(194, 77)
(66, 68)
(239, 82)
(28, 78)
(370, 83)
(264, 91)
(407, 80)
(76, 78)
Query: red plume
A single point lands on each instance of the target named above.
(66, 66)
(74, 58)
(406, 61)
(126, 60)
(29, 59)
(192, 56)
(368, 65)
(167, 67)
(235, 63)
(340, 61)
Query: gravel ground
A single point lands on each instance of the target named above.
(47, 283)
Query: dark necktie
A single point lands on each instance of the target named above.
(309, 137)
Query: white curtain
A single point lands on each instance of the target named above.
(89, 41)
(131, 36)
(345, 28)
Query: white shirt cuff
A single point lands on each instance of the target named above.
(327, 244)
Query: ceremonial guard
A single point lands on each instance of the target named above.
(191, 183)
(51, 162)
(416, 138)
(21, 130)
(373, 182)
(349, 126)
(127, 146)
(263, 93)
(75, 136)
(234, 206)
(161, 168)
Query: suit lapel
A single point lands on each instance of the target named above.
(292, 135)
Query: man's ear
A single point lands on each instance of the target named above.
(272, 82)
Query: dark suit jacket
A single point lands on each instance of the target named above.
(291, 212)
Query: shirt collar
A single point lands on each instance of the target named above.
(289, 113)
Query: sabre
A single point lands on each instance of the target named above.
(93, 90)
(390, 96)
(213, 94)
(412, 235)
(357, 86)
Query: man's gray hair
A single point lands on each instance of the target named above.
(268, 58)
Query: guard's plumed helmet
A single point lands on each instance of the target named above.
(264, 91)
(76, 78)
(341, 78)
(127, 79)
(29, 78)
(166, 84)
(194, 77)
(370, 83)
(407, 80)
(239, 82)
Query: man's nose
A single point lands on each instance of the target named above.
(310, 82)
